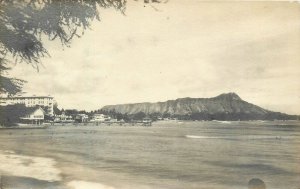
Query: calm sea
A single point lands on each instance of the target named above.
(203, 155)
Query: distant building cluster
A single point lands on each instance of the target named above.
(82, 118)
(38, 110)
(26, 109)
(45, 102)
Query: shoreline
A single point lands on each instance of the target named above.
(30, 126)
(24, 171)
(24, 127)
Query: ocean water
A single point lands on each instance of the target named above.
(202, 155)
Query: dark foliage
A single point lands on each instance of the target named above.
(154, 116)
(24, 23)
(56, 110)
(10, 115)
(202, 116)
(7, 84)
(138, 116)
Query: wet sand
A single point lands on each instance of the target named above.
(21, 172)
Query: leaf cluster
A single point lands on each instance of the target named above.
(23, 24)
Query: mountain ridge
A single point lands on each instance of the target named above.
(226, 106)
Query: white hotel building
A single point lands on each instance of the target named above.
(30, 101)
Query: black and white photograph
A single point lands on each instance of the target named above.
(149, 94)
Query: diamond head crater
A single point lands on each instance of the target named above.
(226, 106)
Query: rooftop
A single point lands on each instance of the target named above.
(15, 97)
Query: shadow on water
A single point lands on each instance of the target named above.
(267, 169)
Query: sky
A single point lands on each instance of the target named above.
(177, 49)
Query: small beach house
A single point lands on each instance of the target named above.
(100, 118)
(81, 118)
(63, 118)
(33, 115)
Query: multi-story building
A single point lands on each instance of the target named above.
(45, 102)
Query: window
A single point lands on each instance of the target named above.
(38, 116)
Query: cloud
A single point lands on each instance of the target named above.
(197, 49)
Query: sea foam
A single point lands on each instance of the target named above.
(78, 184)
(29, 166)
(200, 137)
(241, 137)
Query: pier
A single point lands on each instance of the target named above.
(106, 123)
(120, 123)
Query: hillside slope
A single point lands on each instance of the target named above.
(228, 106)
